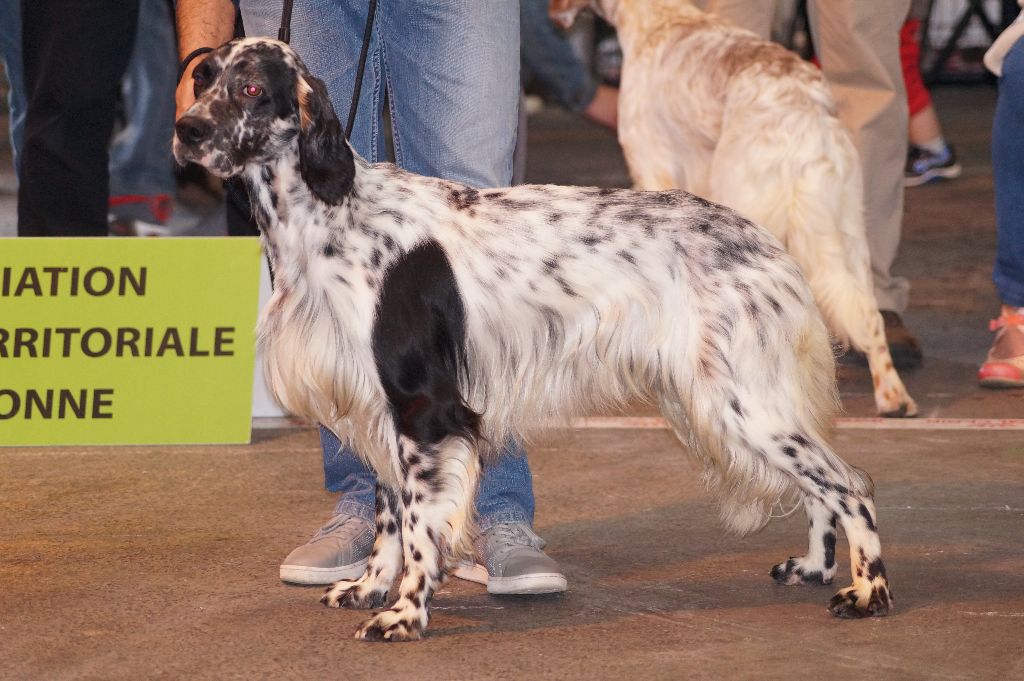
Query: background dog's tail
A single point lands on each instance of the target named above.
(826, 236)
(808, 192)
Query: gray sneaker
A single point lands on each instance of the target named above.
(515, 562)
(339, 550)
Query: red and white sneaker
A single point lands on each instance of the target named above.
(1004, 367)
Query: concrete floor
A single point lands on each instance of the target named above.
(161, 562)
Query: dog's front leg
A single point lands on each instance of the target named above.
(371, 590)
(437, 530)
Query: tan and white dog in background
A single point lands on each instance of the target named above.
(713, 109)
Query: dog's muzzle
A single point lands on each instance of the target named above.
(192, 130)
(190, 135)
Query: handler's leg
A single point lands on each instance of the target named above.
(858, 46)
(753, 15)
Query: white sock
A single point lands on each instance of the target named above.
(936, 146)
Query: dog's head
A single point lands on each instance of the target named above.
(255, 103)
(563, 12)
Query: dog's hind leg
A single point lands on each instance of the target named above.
(437, 530)
(891, 398)
(371, 589)
(848, 305)
(870, 594)
(834, 489)
(819, 565)
(759, 443)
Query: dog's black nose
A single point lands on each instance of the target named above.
(192, 129)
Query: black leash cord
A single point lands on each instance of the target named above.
(188, 60)
(362, 66)
(284, 34)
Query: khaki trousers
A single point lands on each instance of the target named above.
(857, 43)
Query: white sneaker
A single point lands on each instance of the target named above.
(339, 550)
(515, 563)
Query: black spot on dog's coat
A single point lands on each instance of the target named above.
(419, 347)
(867, 517)
(463, 199)
(830, 549)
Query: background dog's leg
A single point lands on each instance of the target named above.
(819, 565)
(371, 590)
(891, 396)
(437, 530)
(853, 314)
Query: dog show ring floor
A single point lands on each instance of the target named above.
(161, 562)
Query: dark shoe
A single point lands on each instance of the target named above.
(903, 345)
(923, 166)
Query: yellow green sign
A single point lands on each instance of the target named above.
(127, 341)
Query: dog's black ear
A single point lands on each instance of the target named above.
(325, 158)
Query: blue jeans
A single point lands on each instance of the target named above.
(450, 70)
(1008, 173)
(548, 56)
(140, 157)
(10, 53)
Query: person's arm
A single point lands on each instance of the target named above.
(201, 23)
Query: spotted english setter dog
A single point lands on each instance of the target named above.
(426, 322)
(713, 109)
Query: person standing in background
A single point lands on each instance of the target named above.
(929, 156)
(75, 53)
(1004, 365)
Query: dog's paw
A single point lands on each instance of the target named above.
(854, 603)
(335, 592)
(391, 626)
(361, 598)
(896, 406)
(793, 572)
(356, 594)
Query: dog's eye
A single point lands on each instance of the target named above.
(198, 83)
(252, 90)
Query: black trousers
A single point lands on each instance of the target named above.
(239, 210)
(75, 54)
